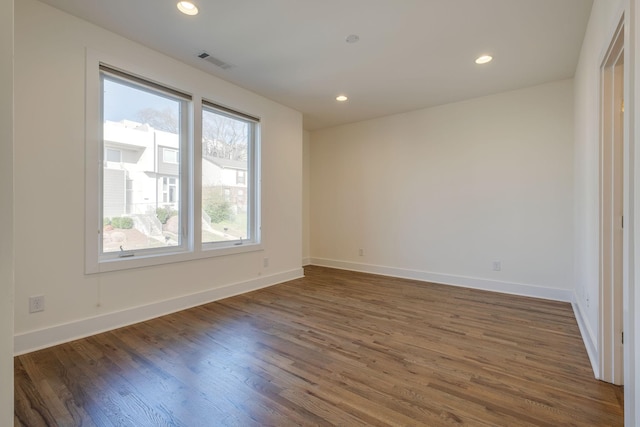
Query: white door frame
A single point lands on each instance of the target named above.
(612, 206)
(631, 295)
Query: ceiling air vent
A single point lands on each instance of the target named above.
(215, 61)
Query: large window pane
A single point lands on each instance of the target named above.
(227, 150)
(141, 198)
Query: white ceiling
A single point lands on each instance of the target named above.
(412, 53)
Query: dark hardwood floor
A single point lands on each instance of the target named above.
(333, 348)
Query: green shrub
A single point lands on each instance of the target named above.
(164, 214)
(122, 222)
(218, 212)
(106, 221)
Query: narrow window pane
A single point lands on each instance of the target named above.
(225, 157)
(141, 207)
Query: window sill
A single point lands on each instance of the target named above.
(139, 261)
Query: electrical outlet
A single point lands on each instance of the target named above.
(497, 266)
(360, 252)
(36, 304)
(265, 262)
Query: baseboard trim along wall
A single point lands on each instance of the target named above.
(588, 338)
(306, 261)
(554, 294)
(58, 334)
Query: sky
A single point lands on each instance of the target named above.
(122, 102)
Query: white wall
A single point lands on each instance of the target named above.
(6, 212)
(602, 22)
(306, 197)
(439, 194)
(49, 199)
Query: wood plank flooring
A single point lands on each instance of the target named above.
(333, 348)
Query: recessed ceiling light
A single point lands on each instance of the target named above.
(484, 59)
(187, 8)
(352, 38)
(341, 98)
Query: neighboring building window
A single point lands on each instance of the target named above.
(169, 190)
(137, 114)
(241, 177)
(169, 155)
(229, 149)
(113, 155)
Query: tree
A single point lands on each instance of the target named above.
(165, 120)
(223, 137)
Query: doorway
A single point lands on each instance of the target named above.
(610, 337)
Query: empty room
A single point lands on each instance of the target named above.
(286, 212)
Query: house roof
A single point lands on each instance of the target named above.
(227, 163)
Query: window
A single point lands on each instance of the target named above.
(240, 177)
(169, 155)
(228, 151)
(153, 208)
(113, 155)
(169, 190)
(132, 226)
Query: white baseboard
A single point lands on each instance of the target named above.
(58, 334)
(588, 338)
(534, 291)
(306, 261)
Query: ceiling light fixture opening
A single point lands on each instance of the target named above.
(484, 59)
(187, 8)
(341, 98)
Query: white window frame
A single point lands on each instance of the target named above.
(190, 185)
